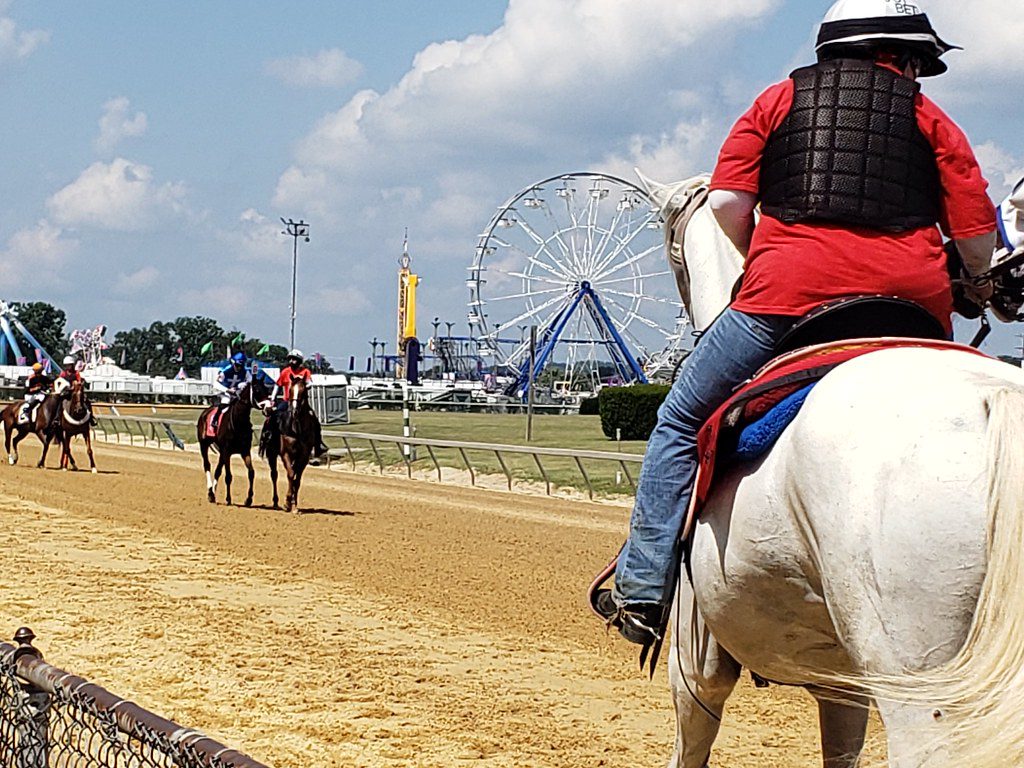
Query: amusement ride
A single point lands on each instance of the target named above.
(580, 256)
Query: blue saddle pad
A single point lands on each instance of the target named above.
(758, 436)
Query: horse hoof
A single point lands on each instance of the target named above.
(95, 471)
(11, 460)
(211, 498)
(248, 502)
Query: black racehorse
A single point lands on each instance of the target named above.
(233, 436)
(296, 435)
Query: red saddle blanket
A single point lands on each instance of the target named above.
(211, 423)
(779, 378)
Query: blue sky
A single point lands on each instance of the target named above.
(150, 148)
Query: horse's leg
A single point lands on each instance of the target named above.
(298, 468)
(45, 438)
(247, 459)
(272, 460)
(216, 476)
(18, 437)
(843, 723)
(8, 426)
(211, 487)
(702, 674)
(88, 449)
(289, 500)
(67, 451)
(226, 462)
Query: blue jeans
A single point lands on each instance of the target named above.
(729, 352)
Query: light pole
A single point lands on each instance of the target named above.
(373, 344)
(295, 229)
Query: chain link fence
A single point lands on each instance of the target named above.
(50, 718)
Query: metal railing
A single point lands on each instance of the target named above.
(49, 717)
(149, 428)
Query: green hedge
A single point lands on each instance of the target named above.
(632, 409)
(589, 407)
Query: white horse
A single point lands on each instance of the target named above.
(872, 555)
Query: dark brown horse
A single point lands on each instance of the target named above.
(296, 436)
(36, 425)
(74, 418)
(234, 435)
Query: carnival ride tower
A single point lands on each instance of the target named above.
(407, 344)
(9, 323)
(581, 257)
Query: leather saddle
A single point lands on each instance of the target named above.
(862, 317)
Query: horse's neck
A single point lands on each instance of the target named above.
(713, 264)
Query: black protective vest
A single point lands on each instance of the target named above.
(849, 151)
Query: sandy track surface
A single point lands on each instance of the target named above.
(400, 624)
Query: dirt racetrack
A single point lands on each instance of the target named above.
(401, 624)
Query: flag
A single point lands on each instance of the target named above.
(39, 355)
(263, 350)
(238, 339)
(317, 357)
(124, 351)
(181, 354)
(205, 349)
(181, 374)
(22, 361)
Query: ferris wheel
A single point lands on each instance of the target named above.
(581, 256)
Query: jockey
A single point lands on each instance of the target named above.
(37, 387)
(62, 386)
(859, 216)
(68, 375)
(232, 379)
(295, 369)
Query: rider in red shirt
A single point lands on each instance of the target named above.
(294, 370)
(853, 170)
(794, 266)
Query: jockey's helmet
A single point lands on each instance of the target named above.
(68, 360)
(296, 355)
(238, 358)
(859, 28)
(37, 367)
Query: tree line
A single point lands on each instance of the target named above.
(162, 348)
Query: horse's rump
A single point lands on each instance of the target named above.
(858, 542)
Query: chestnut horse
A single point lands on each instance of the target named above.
(37, 425)
(74, 418)
(295, 437)
(234, 435)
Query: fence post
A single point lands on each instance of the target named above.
(32, 715)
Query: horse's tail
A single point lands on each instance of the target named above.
(978, 695)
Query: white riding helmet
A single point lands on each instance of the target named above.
(68, 360)
(296, 353)
(854, 23)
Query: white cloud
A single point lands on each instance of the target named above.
(556, 79)
(116, 124)
(670, 156)
(16, 43)
(1001, 168)
(139, 280)
(35, 256)
(256, 238)
(120, 195)
(329, 68)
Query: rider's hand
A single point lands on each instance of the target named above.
(978, 291)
